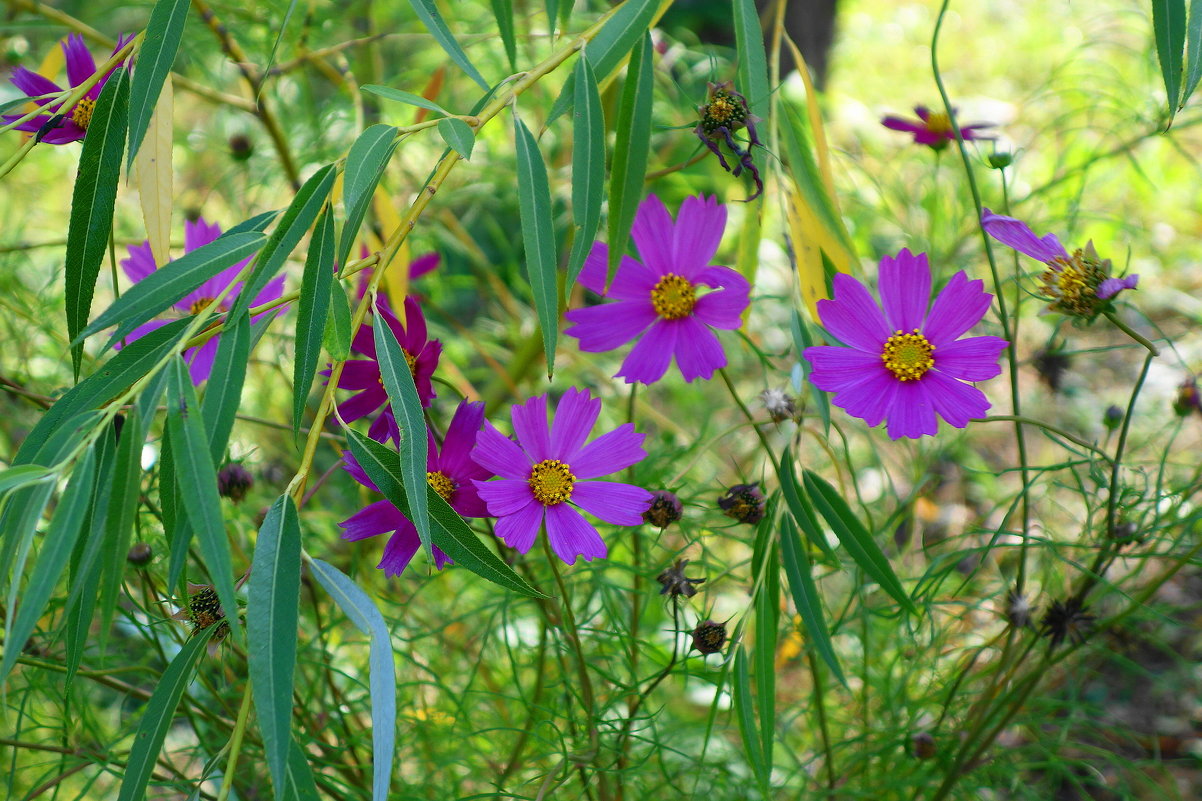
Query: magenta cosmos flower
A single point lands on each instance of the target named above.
(362, 376)
(141, 264)
(1079, 285)
(543, 471)
(906, 364)
(80, 67)
(449, 470)
(659, 299)
(934, 129)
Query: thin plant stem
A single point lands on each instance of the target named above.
(227, 781)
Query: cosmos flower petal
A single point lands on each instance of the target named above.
(362, 404)
(632, 280)
(359, 374)
(80, 65)
(836, 369)
(723, 308)
(505, 496)
(455, 457)
(530, 427)
(955, 401)
(575, 416)
(518, 530)
(69, 132)
(414, 334)
(959, 307)
(374, 519)
(200, 360)
(698, 351)
(33, 84)
(425, 263)
(271, 291)
(648, 360)
(603, 328)
(1016, 234)
(572, 536)
(697, 234)
(608, 453)
(499, 454)
(615, 503)
(198, 233)
(912, 413)
(384, 427)
(905, 285)
(1112, 286)
(467, 501)
(902, 124)
(870, 399)
(351, 465)
(652, 236)
(853, 316)
(400, 549)
(364, 342)
(972, 359)
(140, 262)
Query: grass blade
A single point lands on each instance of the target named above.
(633, 142)
(357, 606)
(92, 202)
(428, 13)
(312, 309)
(751, 78)
(164, 31)
(538, 236)
(272, 609)
(588, 165)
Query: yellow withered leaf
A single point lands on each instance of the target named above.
(153, 176)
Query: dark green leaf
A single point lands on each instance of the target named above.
(12, 478)
(365, 163)
(273, 595)
(337, 334)
(388, 93)
(767, 621)
(159, 714)
(458, 134)
(427, 12)
(197, 479)
(503, 11)
(84, 576)
(1168, 21)
(448, 530)
(312, 310)
(806, 597)
(357, 606)
(629, 165)
(855, 538)
(123, 506)
(223, 393)
(752, 76)
(92, 202)
(299, 785)
(164, 32)
(52, 559)
(1193, 48)
(538, 236)
(166, 285)
(800, 508)
(588, 165)
(745, 712)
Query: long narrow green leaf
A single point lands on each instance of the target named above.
(311, 312)
(197, 479)
(276, 45)
(159, 714)
(767, 622)
(299, 785)
(166, 285)
(164, 32)
(357, 606)
(629, 165)
(538, 236)
(806, 597)
(745, 712)
(401, 96)
(1193, 50)
(428, 13)
(751, 79)
(123, 506)
(52, 559)
(502, 10)
(808, 178)
(337, 334)
(1168, 22)
(365, 163)
(610, 46)
(273, 596)
(588, 165)
(92, 202)
(448, 530)
(855, 538)
(800, 508)
(12, 478)
(459, 135)
(223, 393)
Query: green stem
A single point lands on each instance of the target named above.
(227, 781)
(1131, 332)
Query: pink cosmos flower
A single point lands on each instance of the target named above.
(934, 129)
(141, 264)
(658, 299)
(1079, 285)
(449, 470)
(80, 67)
(906, 364)
(542, 472)
(363, 375)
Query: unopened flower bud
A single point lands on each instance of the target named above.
(709, 637)
(1112, 418)
(139, 555)
(1000, 160)
(241, 147)
(1187, 401)
(922, 745)
(665, 509)
(233, 481)
(743, 502)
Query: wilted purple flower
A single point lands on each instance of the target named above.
(541, 473)
(725, 112)
(934, 128)
(141, 263)
(744, 503)
(658, 299)
(449, 470)
(74, 122)
(664, 510)
(906, 364)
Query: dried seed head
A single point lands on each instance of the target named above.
(233, 481)
(922, 745)
(743, 502)
(781, 405)
(1066, 620)
(1051, 364)
(676, 583)
(139, 555)
(709, 637)
(1018, 609)
(665, 509)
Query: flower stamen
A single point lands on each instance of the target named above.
(443, 484)
(551, 481)
(673, 297)
(199, 305)
(81, 115)
(908, 356)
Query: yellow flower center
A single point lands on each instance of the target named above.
(410, 362)
(1072, 284)
(551, 481)
(81, 115)
(721, 109)
(673, 297)
(443, 484)
(939, 123)
(908, 356)
(199, 305)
